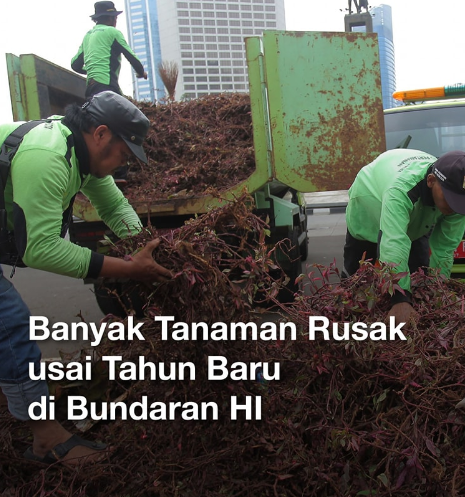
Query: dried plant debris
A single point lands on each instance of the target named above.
(221, 263)
(345, 418)
(194, 147)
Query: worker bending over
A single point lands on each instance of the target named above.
(407, 208)
(56, 159)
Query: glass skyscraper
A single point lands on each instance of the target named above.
(382, 25)
(204, 38)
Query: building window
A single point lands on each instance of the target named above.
(184, 30)
(199, 63)
(189, 79)
(187, 63)
(196, 22)
(186, 46)
(209, 22)
(182, 5)
(270, 24)
(210, 6)
(227, 87)
(196, 13)
(186, 55)
(222, 14)
(211, 46)
(198, 46)
(215, 87)
(200, 71)
(199, 55)
(271, 16)
(210, 31)
(188, 71)
(195, 6)
(257, 15)
(183, 22)
(183, 13)
(208, 14)
(220, 22)
(185, 38)
(197, 38)
(197, 30)
(213, 79)
(212, 62)
(213, 70)
(201, 79)
(202, 87)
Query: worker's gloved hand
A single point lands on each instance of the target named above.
(145, 268)
(403, 312)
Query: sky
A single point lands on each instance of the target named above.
(428, 36)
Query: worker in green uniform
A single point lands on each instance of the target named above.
(407, 208)
(99, 56)
(56, 159)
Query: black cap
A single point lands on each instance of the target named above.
(105, 9)
(122, 117)
(450, 171)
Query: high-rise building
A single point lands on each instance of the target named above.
(204, 38)
(379, 20)
(382, 24)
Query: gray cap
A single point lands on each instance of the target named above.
(450, 171)
(122, 117)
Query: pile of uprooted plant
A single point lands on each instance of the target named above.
(346, 417)
(193, 147)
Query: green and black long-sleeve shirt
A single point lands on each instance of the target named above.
(390, 197)
(99, 56)
(49, 168)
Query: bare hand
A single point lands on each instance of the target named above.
(145, 268)
(403, 312)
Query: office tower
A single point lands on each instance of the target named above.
(204, 38)
(382, 24)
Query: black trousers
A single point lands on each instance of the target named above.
(354, 250)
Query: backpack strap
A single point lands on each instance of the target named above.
(7, 152)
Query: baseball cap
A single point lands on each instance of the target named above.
(122, 117)
(450, 171)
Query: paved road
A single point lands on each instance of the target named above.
(62, 299)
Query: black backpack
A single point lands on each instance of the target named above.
(8, 250)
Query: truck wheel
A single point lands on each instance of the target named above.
(107, 299)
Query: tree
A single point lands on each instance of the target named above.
(169, 75)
